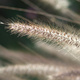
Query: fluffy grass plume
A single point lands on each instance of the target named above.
(33, 30)
(68, 43)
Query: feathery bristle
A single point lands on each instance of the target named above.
(52, 34)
